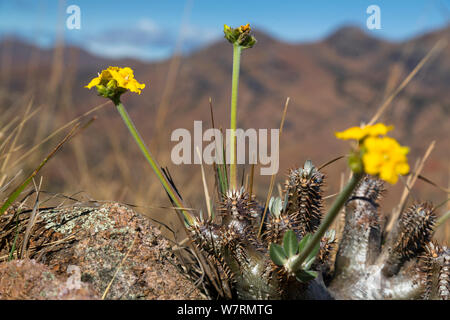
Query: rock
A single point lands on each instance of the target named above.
(30, 280)
(92, 242)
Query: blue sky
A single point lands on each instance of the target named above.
(152, 30)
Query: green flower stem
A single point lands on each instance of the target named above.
(327, 221)
(131, 127)
(234, 94)
(442, 219)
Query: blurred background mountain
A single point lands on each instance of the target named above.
(333, 82)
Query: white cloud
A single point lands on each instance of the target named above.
(147, 40)
(148, 25)
(194, 37)
(116, 51)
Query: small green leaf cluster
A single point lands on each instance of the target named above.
(111, 90)
(285, 255)
(276, 206)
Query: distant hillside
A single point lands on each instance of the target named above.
(333, 84)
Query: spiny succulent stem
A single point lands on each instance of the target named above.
(131, 127)
(328, 220)
(234, 94)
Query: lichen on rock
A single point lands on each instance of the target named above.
(92, 242)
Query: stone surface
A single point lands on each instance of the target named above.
(102, 243)
(30, 280)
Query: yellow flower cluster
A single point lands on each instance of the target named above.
(385, 157)
(120, 77)
(241, 29)
(358, 133)
(382, 156)
(245, 28)
(240, 36)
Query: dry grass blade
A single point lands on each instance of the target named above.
(206, 265)
(442, 219)
(13, 196)
(339, 223)
(6, 127)
(438, 46)
(220, 185)
(16, 138)
(243, 177)
(6, 185)
(118, 268)
(205, 187)
(151, 207)
(172, 73)
(13, 134)
(330, 162)
(33, 249)
(409, 184)
(10, 256)
(252, 174)
(31, 222)
(10, 152)
(272, 179)
(266, 206)
(331, 196)
(220, 285)
(425, 179)
(26, 154)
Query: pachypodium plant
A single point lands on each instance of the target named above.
(292, 253)
(373, 153)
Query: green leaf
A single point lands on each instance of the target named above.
(285, 202)
(290, 243)
(303, 242)
(275, 206)
(277, 254)
(305, 275)
(312, 256)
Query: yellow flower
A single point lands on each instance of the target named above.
(385, 157)
(376, 154)
(115, 81)
(358, 133)
(378, 129)
(240, 36)
(245, 28)
(94, 82)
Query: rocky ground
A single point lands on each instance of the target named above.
(85, 252)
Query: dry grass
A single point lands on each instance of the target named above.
(122, 173)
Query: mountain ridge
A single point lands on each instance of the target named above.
(333, 84)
